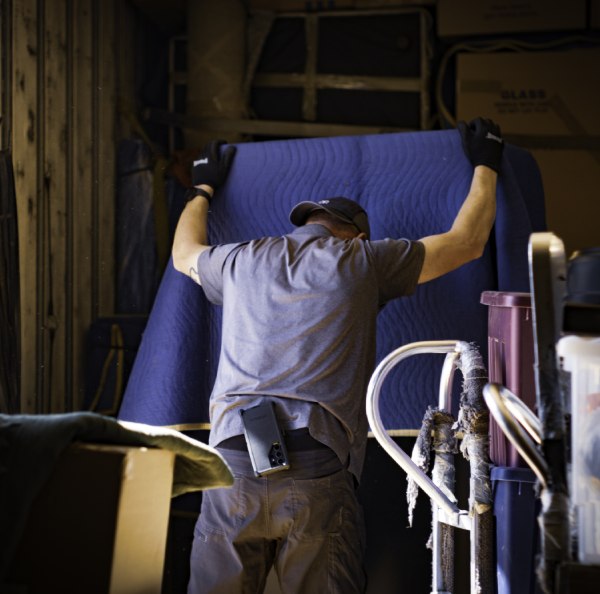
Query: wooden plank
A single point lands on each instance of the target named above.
(264, 127)
(339, 81)
(309, 100)
(56, 307)
(126, 37)
(25, 136)
(64, 105)
(81, 188)
(425, 59)
(105, 156)
(6, 63)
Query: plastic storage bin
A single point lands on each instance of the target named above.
(510, 361)
(517, 535)
(581, 359)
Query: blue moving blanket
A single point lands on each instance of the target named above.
(412, 185)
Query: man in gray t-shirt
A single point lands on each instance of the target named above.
(299, 319)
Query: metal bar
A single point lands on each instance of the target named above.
(547, 279)
(462, 521)
(474, 578)
(374, 417)
(523, 414)
(446, 515)
(437, 567)
(442, 533)
(447, 380)
(338, 81)
(495, 398)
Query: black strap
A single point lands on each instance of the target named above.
(191, 193)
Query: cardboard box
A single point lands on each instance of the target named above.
(99, 525)
(571, 180)
(545, 95)
(481, 17)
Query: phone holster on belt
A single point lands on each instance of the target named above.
(264, 439)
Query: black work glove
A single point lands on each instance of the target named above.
(210, 167)
(482, 142)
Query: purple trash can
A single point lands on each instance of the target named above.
(510, 361)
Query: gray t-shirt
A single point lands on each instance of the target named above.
(299, 325)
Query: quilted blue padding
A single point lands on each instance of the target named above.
(412, 185)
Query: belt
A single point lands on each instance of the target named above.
(296, 440)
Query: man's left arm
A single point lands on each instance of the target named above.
(469, 233)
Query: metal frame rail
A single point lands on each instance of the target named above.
(445, 511)
(520, 425)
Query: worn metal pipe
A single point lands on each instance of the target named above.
(497, 398)
(393, 450)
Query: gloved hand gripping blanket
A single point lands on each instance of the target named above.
(412, 185)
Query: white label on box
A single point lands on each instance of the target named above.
(474, 17)
(543, 93)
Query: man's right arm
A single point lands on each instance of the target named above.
(191, 236)
(209, 172)
(466, 239)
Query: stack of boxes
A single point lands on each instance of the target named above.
(545, 97)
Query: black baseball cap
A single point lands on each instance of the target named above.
(342, 208)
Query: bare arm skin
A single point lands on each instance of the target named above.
(470, 230)
(191, 237)
(444, 252)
